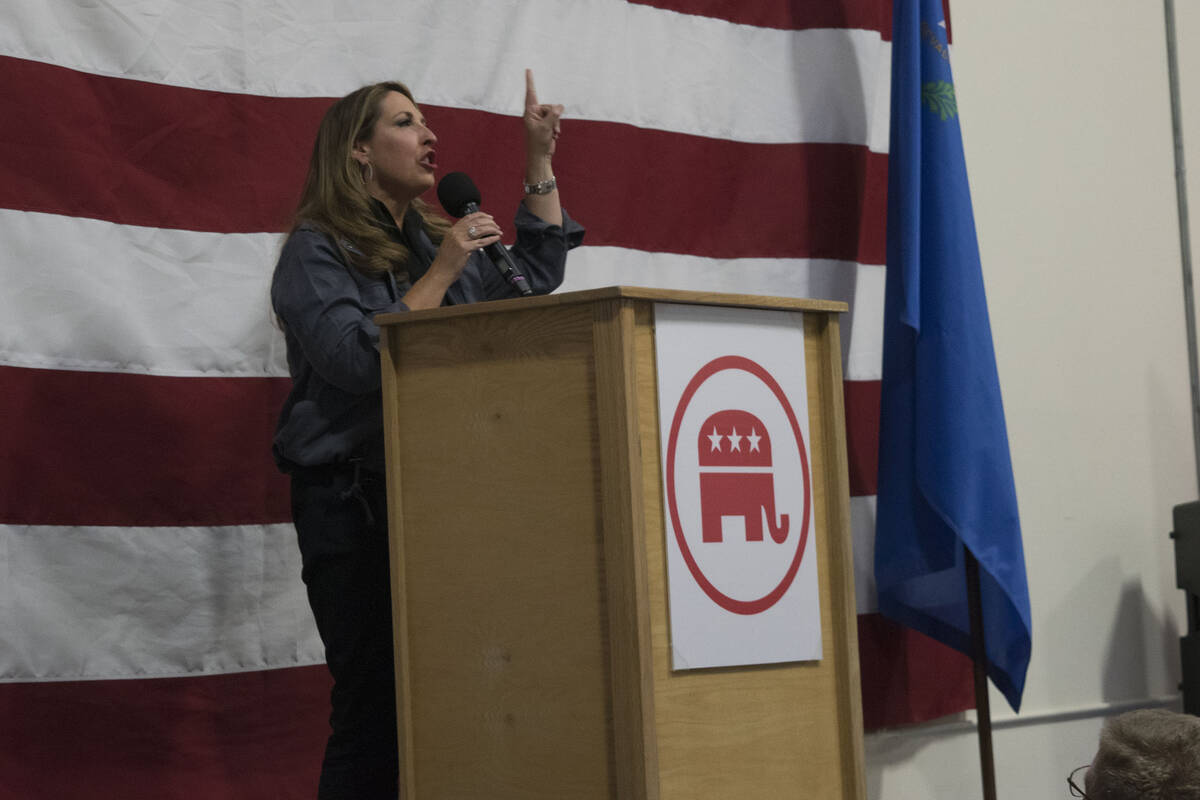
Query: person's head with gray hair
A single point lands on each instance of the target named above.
(1151, 754)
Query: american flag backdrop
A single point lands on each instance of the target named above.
(155, 640)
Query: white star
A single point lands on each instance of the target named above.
(753, 437)
(735, 441)
(715, 438)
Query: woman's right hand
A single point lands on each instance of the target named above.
(471, 233)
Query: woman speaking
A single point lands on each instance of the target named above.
(363, 243)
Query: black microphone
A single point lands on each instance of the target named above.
(459, 196)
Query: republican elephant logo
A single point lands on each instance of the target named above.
(733, 474)
(736, 478)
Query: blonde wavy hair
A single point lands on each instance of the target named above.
(335, 197)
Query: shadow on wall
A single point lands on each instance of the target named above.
(1103, 631)
(1124, 672)
(1137, 627)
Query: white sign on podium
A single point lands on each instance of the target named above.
(741, 557)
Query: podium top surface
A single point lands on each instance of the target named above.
(614, 293)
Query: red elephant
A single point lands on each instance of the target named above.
(729, 440)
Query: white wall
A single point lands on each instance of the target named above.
(1067, 128)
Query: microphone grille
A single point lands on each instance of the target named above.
(455, 191)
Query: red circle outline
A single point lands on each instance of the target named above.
(746, 607)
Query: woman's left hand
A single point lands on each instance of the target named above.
(542, 123)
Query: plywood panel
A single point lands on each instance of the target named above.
(503, 578)
(634, 737)
(529, 536)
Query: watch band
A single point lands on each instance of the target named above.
(541, 187)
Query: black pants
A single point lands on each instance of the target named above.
(341, 519)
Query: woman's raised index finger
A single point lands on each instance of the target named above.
(530, 91)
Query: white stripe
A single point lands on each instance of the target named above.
(605, 59)
(860, 285)
(92, 295)
(111, 602)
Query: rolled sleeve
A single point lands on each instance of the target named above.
(540, 250)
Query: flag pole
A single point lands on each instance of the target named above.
(987, 762)
(1185, 244)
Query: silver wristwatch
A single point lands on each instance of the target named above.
(541, 187)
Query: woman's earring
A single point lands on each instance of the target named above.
(368, 173)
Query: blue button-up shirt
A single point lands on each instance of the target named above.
(334, 412)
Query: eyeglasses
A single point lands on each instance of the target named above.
(1075, 790)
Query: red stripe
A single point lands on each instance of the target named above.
(872, 15)
(97, 448)
(148, 154)
(666, 192)
(161, 156)
(862, 435)
(908, 677)
(248, 736)
(91, 448)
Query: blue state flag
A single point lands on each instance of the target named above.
(945, 476)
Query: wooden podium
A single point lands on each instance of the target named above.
(529, 573)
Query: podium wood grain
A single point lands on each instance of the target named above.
(529, 574)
